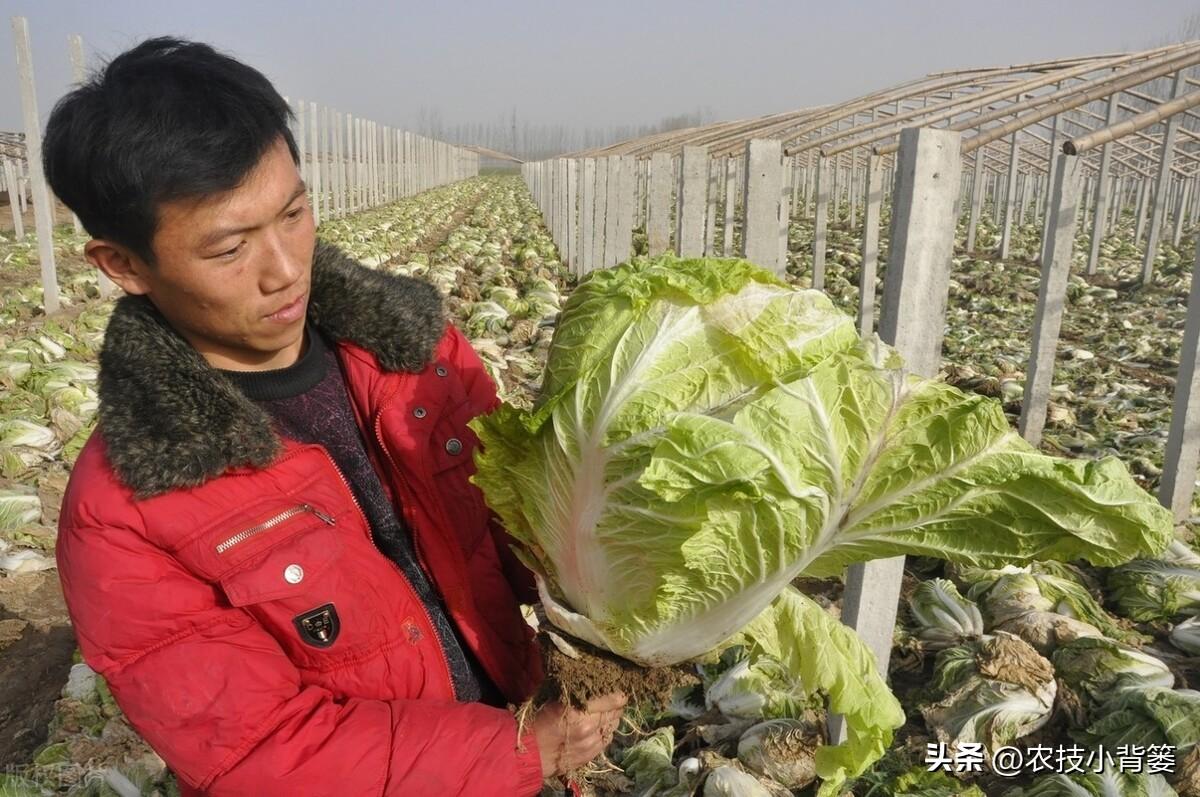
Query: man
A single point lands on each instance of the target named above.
(270, 547)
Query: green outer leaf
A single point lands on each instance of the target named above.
(692, 458)
(1155, 715)
(829, 658)
(1155, 589)
(649, 761)
(1095, 668)
(1109, 783)
(921, 782)
(606, 302)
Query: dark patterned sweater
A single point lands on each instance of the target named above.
(308, 402)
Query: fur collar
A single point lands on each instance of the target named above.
(169, 420)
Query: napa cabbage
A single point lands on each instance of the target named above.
(705, 434)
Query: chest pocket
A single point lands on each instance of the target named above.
(313, 581)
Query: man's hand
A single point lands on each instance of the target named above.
(569, 738)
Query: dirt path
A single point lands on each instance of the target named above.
(434, 240)
(36, 645)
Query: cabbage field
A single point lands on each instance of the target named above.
(691, 453)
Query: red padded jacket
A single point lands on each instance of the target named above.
(192, 540)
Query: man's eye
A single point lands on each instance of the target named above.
(232, 252)
(295, 214)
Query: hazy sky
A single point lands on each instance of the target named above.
(585, 64)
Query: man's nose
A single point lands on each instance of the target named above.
(282, 266)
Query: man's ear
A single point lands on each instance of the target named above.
(122, 266)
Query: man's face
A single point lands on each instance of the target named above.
(227, 264)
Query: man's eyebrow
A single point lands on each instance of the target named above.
(218, 235)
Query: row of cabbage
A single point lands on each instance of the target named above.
(504, 284)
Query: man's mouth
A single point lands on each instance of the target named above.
(290, 311)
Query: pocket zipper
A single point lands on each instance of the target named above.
(246, 534)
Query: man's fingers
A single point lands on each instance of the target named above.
(614, 701)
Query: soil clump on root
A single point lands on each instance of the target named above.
(596, 672)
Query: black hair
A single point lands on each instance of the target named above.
(166, 120)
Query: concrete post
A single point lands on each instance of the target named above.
(572, 213)
(658, 232)
(75, 50)
(730, 205)
(612, 212)
(797, 179)
(710, 219)
(1087, 198)
(351, 164)
(835, 187)
(301, 137)
(785, 212)
(22, 186)
(1114, 202)
(642, 191)
(852, 190)
(913, 315)
(1161, 184)
(10, 185)
(1010, 197)
(1183, 440)
(599, 213)
(1051, 165)
(824, 177)
(870, 249)
(1100, 216)
(43, 213)
(1180, 213)
(626, 209)
(560, 210)
(339, 173)
(1121, 198)
(406, 170)
(1057, 252)
(550, 209)
(763, 191)
(314, 169)
(976, 199)
(1143, 204)
(1022, 198)
(587, 208)
(1192, 204)
(812, 186)
(689, 214)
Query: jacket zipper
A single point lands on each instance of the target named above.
(412, 590)
(404, 508)
(245, 534)
(378, 426)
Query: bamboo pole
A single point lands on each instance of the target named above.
(1140, 122)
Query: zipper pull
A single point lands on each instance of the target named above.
(328, 519)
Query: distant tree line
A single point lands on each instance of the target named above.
(529, 141)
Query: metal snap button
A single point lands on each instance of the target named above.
(453, 446)
(419, 412)
(293, 574)
(441, 371)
